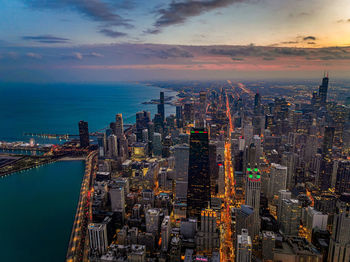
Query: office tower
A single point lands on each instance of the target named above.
(119, 125)
(117, 197)
(179, 116)
(161, 109)
(244, 217)
(280, 108)
(112, 142)
(188, 112)
(257, 104)
(314, 219)
(339, 246)
(268, 245)
(198, 192)
(282, 194)
(325, 175)
(288, 160)
(84, 134)
(181, 154)
(152, 220)
(244, 247)
(158, 124)
(208, 237)
(252, 196)
(322, 91)
(137, 253)
(166, 231)
(278, 180)
(98, 237)
(113, 127)
(213, 167)
(145, 135)
(250, 156)
(342, 184)
(142, 120)
(157, 144)
(289, 220)
(101, 145)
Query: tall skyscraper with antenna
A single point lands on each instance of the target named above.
(323, 90)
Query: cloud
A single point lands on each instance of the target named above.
(179, 12)
(344, 21)
(74, 56)
(33, 55)
(173, 52)
(94, 54)
(290, 42)
(306, 38)
(47, 39)
(112, 33)
(96, 10)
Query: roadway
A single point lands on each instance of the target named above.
(77, 249)
(226, 247)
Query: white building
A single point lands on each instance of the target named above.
(166, 231)
(98, 237)
(278, 180)
(244, 247)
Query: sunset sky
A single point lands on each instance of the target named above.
(111, 40)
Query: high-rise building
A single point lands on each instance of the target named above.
(208, 237)
(244, 217)
(342, 184)
(244, 247)
(161, 109)
(84, 134)
(119, 125)
(142, 120)
(278, 180)
(117, 197)
(157, 144)
(268, 245)
(152, 220)
(257, 104)
(290, 217)
(198, 192)
(98, 237)
(339, 246)
(181, 154)
(252, 196)
(179, 118)
(323, 90)
(166, 231)
(325, 175)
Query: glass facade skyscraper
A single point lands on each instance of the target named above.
(198, 192)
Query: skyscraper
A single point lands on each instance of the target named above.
(342, 184)
(339, 246)
(119, 125)
(198, 192)
(181, 153)
(161, 109)
(323, 90)
(324, 180)
(278, 180)
(84, 134)
(290, 216)
(98, 237)
(244, 247)
(252, 195)
(257, 104)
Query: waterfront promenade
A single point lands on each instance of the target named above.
(77, 250)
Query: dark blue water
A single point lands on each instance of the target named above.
(37, 212)
(38, 206)
(57, 108)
